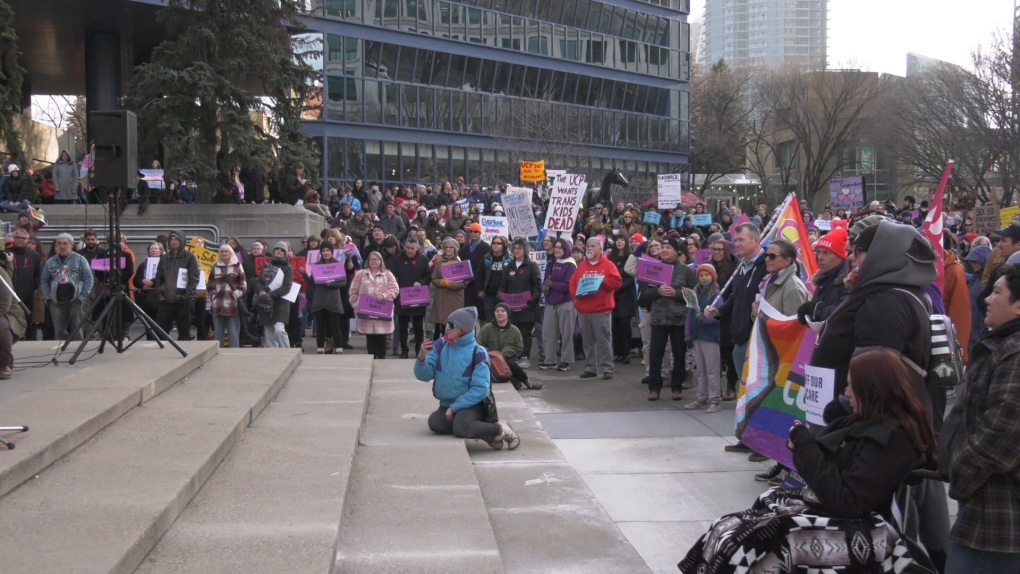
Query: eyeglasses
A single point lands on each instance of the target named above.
(772, 256)
(474, 232)
(718, 249)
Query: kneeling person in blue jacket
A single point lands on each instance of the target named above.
(460, 368)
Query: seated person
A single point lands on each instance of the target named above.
(461, 371)
(503, 336)
(852, 468)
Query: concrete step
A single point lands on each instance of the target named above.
(65, 405)
(275, 503)
(104, 506)
(414, 503)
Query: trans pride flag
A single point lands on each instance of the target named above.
(773, 396)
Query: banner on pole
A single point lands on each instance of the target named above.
(669, 190)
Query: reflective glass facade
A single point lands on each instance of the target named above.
(430, 90)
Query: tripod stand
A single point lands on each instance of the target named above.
(110, 320)
(10, 445)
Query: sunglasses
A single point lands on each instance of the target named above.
(718, 249)
(450, 325)
(772, 256)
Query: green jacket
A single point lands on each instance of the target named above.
(10, 308)
(507, 341)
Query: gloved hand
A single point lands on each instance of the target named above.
(806, 311)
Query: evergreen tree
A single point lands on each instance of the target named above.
(11, 79)
(226, 89)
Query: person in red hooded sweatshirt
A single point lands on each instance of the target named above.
(594, 304)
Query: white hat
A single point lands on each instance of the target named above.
(12, 168)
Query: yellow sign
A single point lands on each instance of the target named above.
(533, 170)
(206, 257)
(1006, 214)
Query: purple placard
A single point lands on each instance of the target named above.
(460, 271)
(516, 301)
(414, 296)
(702, 256)
(326, 272)
(653, 272)
(103, 263)
(369, 307)
(313, 257)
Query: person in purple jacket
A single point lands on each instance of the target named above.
(558, 320)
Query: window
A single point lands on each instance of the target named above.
(391, 8)
(342, 89)
(568, 49)
(595, 51)
(538, 45)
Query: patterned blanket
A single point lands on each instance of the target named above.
(782, 534)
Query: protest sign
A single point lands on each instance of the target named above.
(102, 263)
(153, 177)
(516, 301)
(818, 390)
(701, 219)
(372, 308)
(653, 217)
(414, 296)
(519, 215)
(669, 190)
(151, 266)
(824, 224)
(313, 257)
(986, 219)
(588, 285)
(846, 192)
(532, 170)
(564, 203)
(702, 256)
(460, 271)
(295, 291)
(326, 272)
(493, 226)
(652, 272)
(1007, 214)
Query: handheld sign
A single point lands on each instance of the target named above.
(103, 263)
(151, 266)
(702, 256)
(589, 285)
(652, 272)
(414, 296)
(653, 217)
(372, 308)
(516, 301)
(460, 271)
(326, 272)
(702, 219)
(519, 214)
(670, 190)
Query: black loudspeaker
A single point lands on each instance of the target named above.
(116, 148)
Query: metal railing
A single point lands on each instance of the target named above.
(50, 232)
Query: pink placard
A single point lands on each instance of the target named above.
(516, 301)
(313, 257)
(372, 308)
(460, 271)
(414, 296)
(326, 272)
(103, 263)
(702, 256)
(653, 272)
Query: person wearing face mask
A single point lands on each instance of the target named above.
(702, 335)
(594, 311)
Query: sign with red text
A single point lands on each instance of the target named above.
(564, 203)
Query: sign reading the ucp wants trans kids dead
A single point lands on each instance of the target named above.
(564, 203)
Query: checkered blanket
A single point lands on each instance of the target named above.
(782, 534)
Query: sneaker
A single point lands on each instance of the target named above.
(607, 376)
(588, 375)
(496, 442)
(739, 447)
(534, 385)
(563, 367)
(780, 478)
(338, 351)
(524, 363)
(512, 440)
(5, 373)
(695, 405)
(319, 351)
(546, 367)
(774, 471)
(712, 409)
(755, 457)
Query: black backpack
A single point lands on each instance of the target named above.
(945, 362)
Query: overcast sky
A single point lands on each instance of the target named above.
(877, 34)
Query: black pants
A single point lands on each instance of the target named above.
(675, 335)
(179, 313)
(517, 373)
(621, 336)
(732, 376)
(417, 322)
(198, 315)
(329, 326)
(376, 345)
(526, 331)
(466, 423)
(294, 332)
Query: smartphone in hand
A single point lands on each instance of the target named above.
(429, 334)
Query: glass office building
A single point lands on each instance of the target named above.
(766, 32)
(431, 90)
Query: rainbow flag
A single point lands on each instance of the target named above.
(774, 395)
(789, 225)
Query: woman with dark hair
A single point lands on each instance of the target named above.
(725, 263)
(456, 219)
(558, 321)
(782, 286)
(521, 275)
(626, 301)
(327, 305)
(852, 469)
(493, 267)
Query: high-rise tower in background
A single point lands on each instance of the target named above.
(769, 32)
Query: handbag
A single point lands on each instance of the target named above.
(499, 370)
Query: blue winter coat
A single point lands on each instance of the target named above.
(461, 372)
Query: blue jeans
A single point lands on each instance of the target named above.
(15, 207)
(232, 326)
(965, 560)
(739, 358)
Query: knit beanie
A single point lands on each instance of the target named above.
(505, 307)
(706, 268)
(465, 318)
(280, 245)
(672, 242)
(865, 223)
(834, 242)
